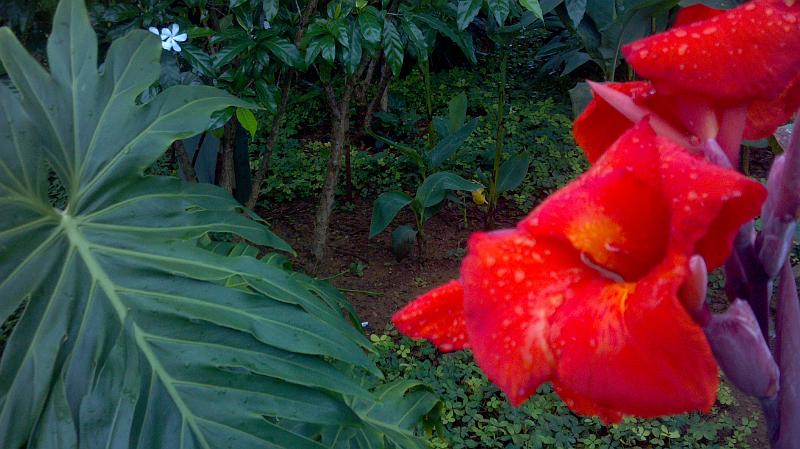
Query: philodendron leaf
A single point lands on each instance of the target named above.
(131, 335)
(386, 207)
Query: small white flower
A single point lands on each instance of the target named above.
(265, 24)
(170, 37)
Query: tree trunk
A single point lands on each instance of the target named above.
(340, 126)
(227, 178)
(277, 121)
(187, 167)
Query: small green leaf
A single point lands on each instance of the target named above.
(534, 7)
(370, 25)
(450, 143)
(386, 207)
(457, 111)
(499, 10)
(284, 50)
(248, 121)
(392, 47)
(433, 189)
(512, 173)
(467, 10)
(576, 9)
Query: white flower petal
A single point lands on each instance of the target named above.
(181, 37)
(154, 30)
(174, 29)
(176, 47)
(167, 44)
(165, 34)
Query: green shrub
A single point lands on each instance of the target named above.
(297, 172)
(476, 415)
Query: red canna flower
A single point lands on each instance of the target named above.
(584, 292)
(714, 74)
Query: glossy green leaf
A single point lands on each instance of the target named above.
(392, 47)
(269, 8)
(385, 208)
(370, 23)
(328, 47)
(284, 50)
(133, 335)
(512, 173)
(450, 143)
(433, 189)
(499, 9)
(466, 12)
(576, 9)
(248, 121)
(534, 7)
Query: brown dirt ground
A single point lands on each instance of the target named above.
(386, 284)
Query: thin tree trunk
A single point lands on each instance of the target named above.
(341, 124)
(277, 121)
(227, 178)
(383, 86)
(187, 168)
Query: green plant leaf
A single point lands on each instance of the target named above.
(466, 12)
(513, 172)
(130, 332)
(450, 143)
(370, 23)
(284, 50)
(499, 9)
(385, 208)
(392, 47)
(328, 46)
(534, 7)
(433, 189)
(415, 36)
(270, 9)
(248, 121)
(457, 111)
(576, 9)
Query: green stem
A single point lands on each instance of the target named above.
(499, 134)
(426, 76)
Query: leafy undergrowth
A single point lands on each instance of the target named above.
(475, 414)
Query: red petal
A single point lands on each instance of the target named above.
(617, 219)
(710, 203)
(600, 124)
(631, 348)
(695, 13)
(747, 53)
(763, 117)
(513, 283)
(437, 316)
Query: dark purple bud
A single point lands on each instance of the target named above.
(741, 351)
(693, 291)
(787, 347)
(775, 239)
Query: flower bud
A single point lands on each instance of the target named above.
(693, 291)
(788, 354)
(741, 351)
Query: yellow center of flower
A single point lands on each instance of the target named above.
(598, 236)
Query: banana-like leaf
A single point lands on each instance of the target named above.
(130, 335)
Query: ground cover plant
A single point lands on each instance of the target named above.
(640, 294)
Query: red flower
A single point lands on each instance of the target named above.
(714, 74)
(584, 292)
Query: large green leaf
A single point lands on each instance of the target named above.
(466, 11)
(386, 207)
(131, 335)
